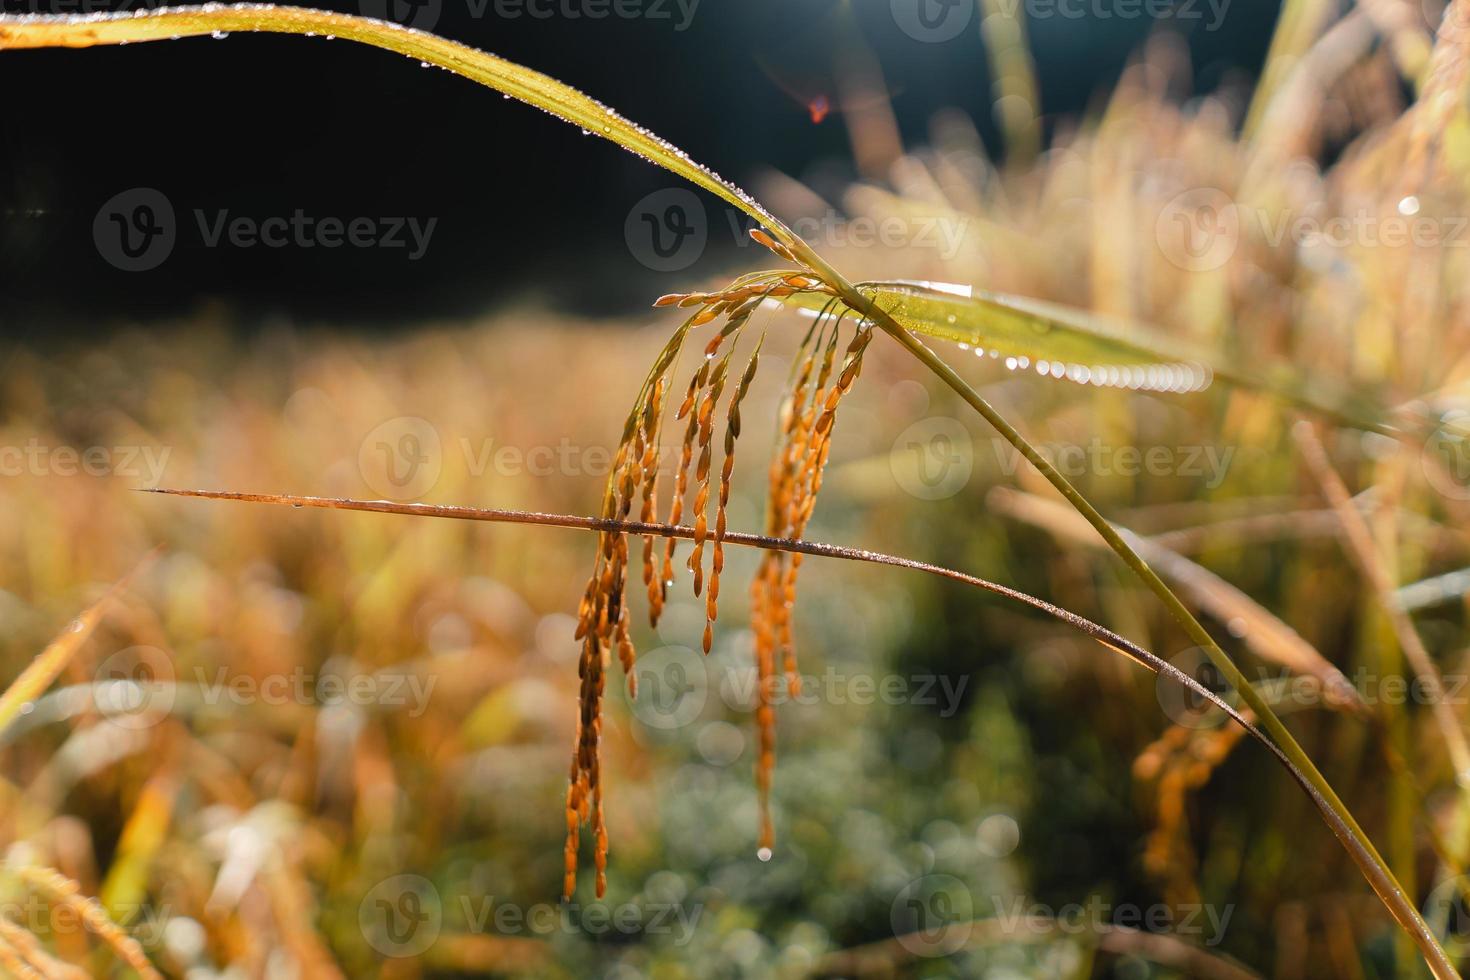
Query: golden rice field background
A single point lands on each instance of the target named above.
(309, 743)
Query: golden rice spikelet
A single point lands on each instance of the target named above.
(808, 459)
(705, 418)
(732, 433)
(759, 236)
(689, 409)
(652, 426)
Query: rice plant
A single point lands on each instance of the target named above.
(842, 318)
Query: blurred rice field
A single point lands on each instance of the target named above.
(312, 744)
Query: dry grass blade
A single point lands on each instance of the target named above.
(882, 958)
(1104, 636)
(1265, 634)
(50, 662)
(61, 890)
(1365, 556)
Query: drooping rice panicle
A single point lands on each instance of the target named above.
(653, 427)
(769, 614)
(732, 432)
(603, 623)
(810, 485)
(803, 442)
(702, 468)
(689, 409)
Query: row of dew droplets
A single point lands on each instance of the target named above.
(603, 622)
(1179, 377)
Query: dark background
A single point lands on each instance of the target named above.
(526, 206)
